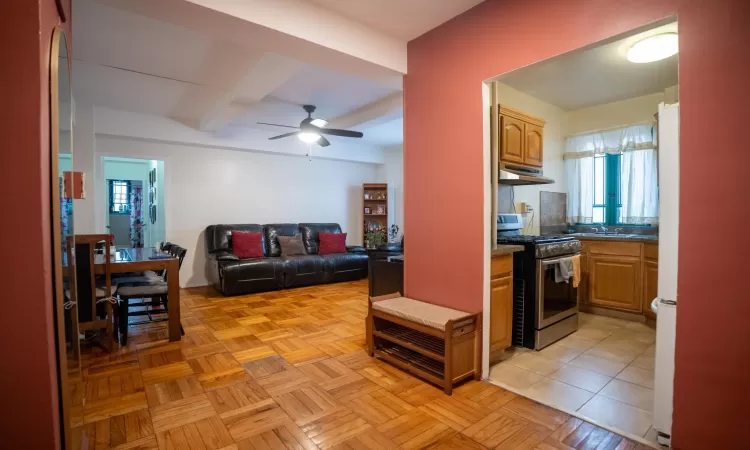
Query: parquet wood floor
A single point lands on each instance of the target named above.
(287, 370)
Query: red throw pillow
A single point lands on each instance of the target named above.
(246, 244)
(331, 243)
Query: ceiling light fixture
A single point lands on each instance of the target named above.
(653, 48)
(308, 137)
(312, 137)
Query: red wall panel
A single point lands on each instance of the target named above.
(29, 377)
(443, 174)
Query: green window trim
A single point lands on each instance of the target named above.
(612, 198)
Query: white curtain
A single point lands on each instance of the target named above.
(579, 174)
(638, 187)
(636, 144)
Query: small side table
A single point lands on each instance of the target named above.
(386, 277)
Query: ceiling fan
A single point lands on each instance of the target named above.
(312, 130)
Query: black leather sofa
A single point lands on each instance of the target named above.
(234, 276)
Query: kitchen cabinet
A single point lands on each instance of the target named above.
(511, 140)
(618, 275)
(521, 138)
(583, 285)
(501, 303)
(614, 281)
(534, 145)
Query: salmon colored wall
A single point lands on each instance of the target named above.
(28, 380)
(443, 203)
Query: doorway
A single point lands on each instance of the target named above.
(571, 145)
(134, 204)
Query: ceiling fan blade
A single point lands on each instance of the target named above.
(323, 142)
(277, 125)
(343, 133)
(283, 135)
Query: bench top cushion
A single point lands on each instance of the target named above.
(427, 314)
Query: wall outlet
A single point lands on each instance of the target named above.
(523, 208)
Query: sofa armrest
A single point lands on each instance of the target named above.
(355, 249)
(224, 256)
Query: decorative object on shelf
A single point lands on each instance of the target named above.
(152, 195)
(375, 238)
(375, 217)
(393, 233)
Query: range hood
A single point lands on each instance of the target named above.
(520, 176)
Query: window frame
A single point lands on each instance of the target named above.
(112, 203)
(612, 192)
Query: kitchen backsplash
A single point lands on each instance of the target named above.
(553, 208)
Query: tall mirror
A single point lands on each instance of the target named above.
(61, 165)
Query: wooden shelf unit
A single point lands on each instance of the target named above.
(443, 357)
(374, 196)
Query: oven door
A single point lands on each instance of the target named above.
(555, 301)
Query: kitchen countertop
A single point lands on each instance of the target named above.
(644, 238)
(503, 250)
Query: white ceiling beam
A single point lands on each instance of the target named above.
(292, 28)
(233, 80)
(381, 111)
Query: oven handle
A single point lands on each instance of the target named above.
(548, 261)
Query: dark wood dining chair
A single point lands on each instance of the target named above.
(153, 295)
(95, 295)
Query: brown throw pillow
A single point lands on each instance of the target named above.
(292, 245)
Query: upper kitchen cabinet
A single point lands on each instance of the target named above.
(521, 137)
(512, 138)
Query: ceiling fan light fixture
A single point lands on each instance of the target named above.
(653, 48)
(308, 137)
(320, 123)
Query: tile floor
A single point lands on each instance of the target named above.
(604, 371)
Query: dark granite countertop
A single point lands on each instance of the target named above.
(503, 250)
(644, 238)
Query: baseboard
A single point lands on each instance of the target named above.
(616, 313)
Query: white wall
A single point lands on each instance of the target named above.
(392, 172)
(554, 146)
(85, 210)
(608, 115)
(204, 186)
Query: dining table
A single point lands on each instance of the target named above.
(124, 260)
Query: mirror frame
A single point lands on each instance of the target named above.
(59, 38)
(61, 11)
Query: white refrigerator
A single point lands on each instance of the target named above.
(665, 305)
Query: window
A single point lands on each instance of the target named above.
(119, 197)
(612, 177)
(607, 204)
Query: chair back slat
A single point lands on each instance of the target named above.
(86, 269)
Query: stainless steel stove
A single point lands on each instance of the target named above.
(543, 311)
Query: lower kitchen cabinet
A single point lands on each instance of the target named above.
(501, 304)
(501, 313)
(583, 285)
(615, 282)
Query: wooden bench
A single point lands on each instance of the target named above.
(438, 344)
